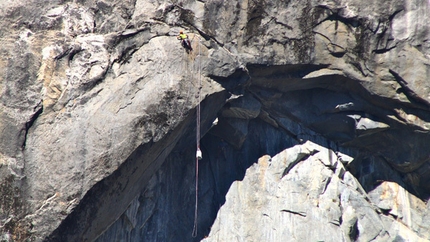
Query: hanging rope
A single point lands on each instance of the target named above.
(198, 151)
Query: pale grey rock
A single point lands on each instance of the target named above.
(264, 200)
(400, 232)
(366, 125)
(339, 206)
(404, 207)
(82, 102)
(144, 102)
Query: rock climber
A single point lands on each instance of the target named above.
(185, 42)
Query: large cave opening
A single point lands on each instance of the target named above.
(166, 207)
(262, 111)
(268, 109)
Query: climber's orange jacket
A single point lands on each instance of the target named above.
(182, 36)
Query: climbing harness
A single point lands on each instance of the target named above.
(198, 151)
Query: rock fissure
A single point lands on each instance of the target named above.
(38, 111)
(409, 92)
(384, 50)
(301, 214)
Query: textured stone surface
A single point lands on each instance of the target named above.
(334, 206)
(98, 100)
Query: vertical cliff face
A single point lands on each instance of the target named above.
(322, 112)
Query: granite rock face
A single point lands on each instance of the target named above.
(98, 120)
(329, 205)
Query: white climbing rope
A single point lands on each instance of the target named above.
(198, 151)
